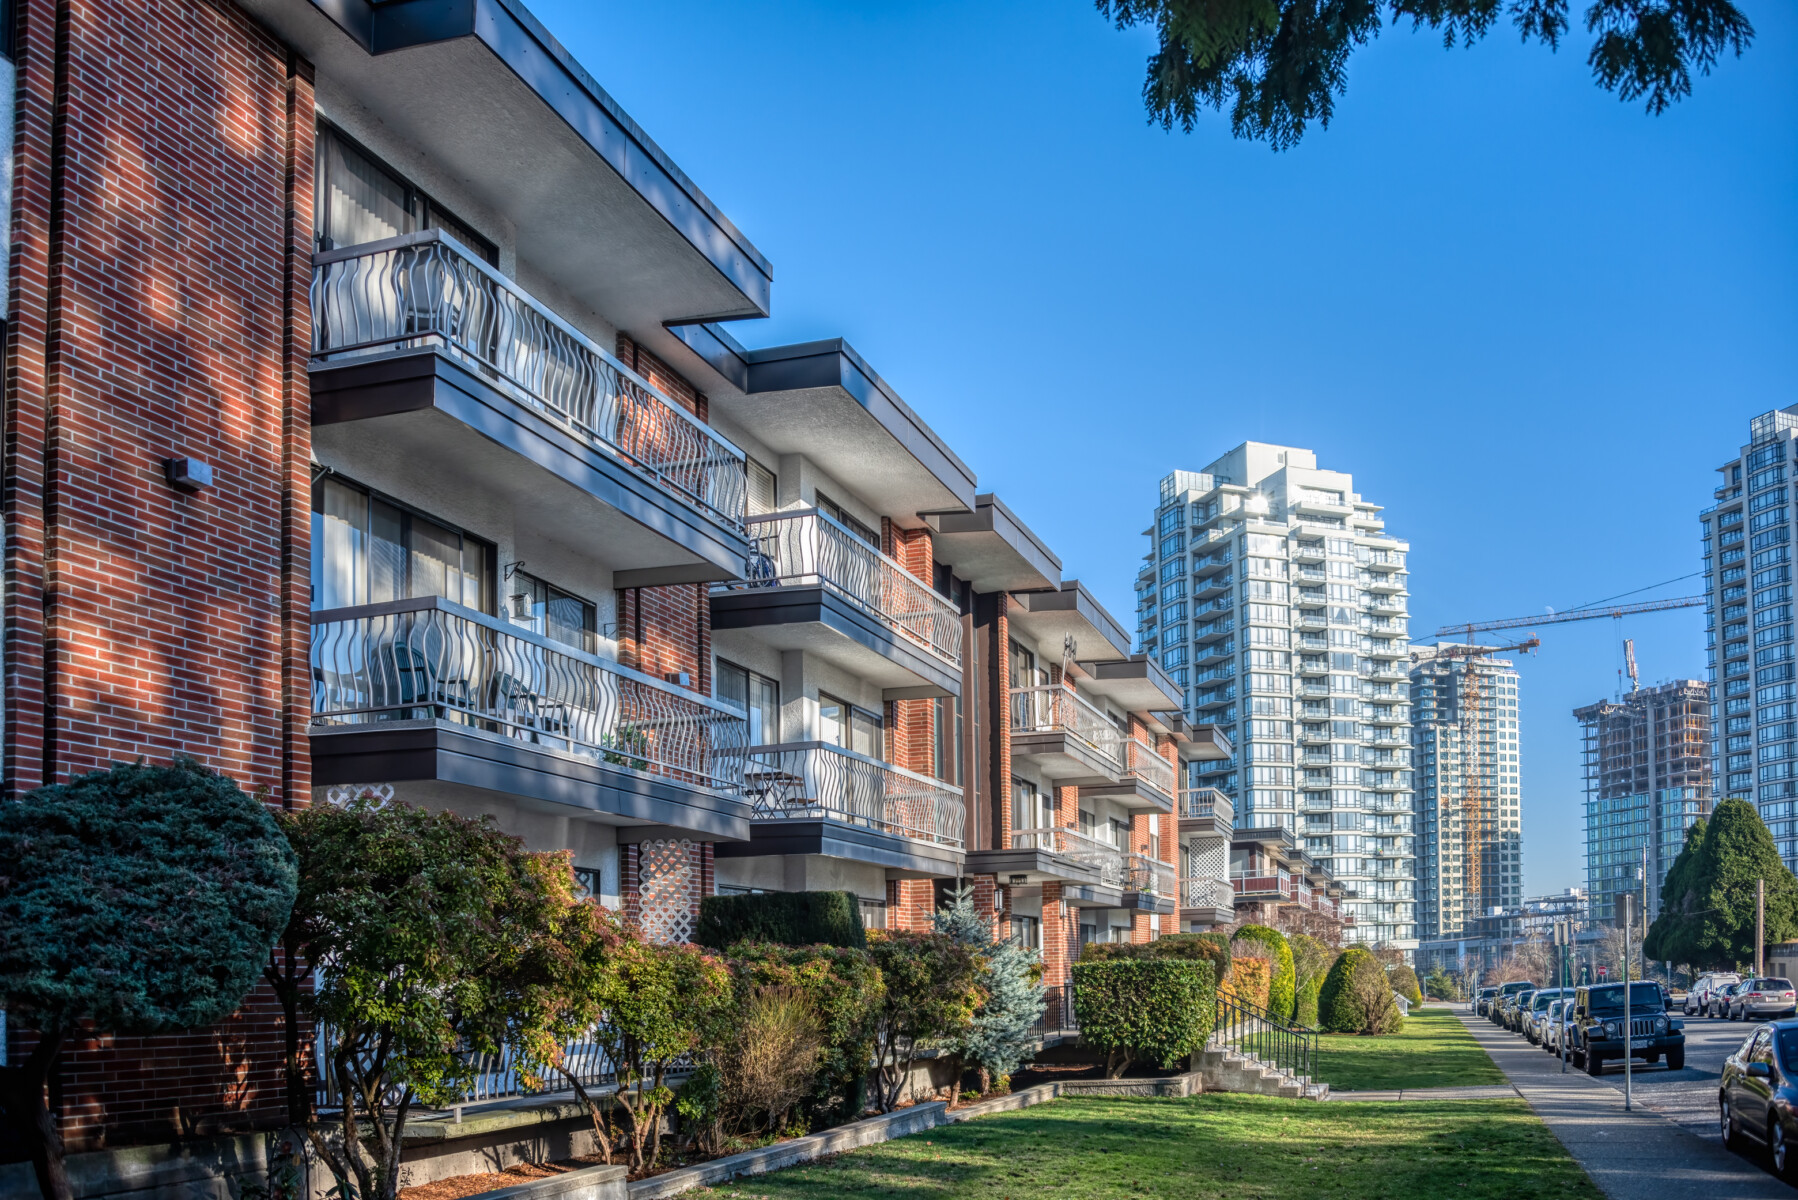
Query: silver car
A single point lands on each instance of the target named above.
(1555, 1023)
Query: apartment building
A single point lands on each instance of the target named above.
(1747, 556)
(1272, 593)
(1647, 773)
(1464, 739)
(372, 429)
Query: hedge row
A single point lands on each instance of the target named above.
(1156, 1009)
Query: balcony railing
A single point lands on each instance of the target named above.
(1198, 803)
(429, 659)
(798, 781)
(423, 289)
(1053, 708)
(1141, 761)
(808, 548)
(1149, 876)
(1207, 893)
(1269, 885)
(1071, 843)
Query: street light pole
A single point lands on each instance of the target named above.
(1628, 927)
(1760, 925)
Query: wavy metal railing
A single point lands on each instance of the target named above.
(1103, 857)
(807, 547)
(430, 659)
(1247, 1028)
(424, 289)
(1149, 876)
(1053, 708)
(1141, 760)
(812, 780)
(1207, 893)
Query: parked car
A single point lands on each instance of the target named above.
(1506, 992)
(1757, 1094)
(1536, 1017)
(1718, 1005)
(1598, 1035)
(1698, 996)
(1483, 999)
(1560, 1017)
(1519, 1010)
(1767, 996)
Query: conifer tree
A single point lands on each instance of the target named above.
(1003, 1032)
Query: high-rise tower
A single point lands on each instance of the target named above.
(1273, 593)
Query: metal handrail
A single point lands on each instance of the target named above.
(431, 659)
(807, 547)
(1056, 708)
(1247, 1028)
(1103, 857)
(813, 780)
(426, 289)
(1203, 892)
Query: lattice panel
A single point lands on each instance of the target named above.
(340, 795)
(668, 883)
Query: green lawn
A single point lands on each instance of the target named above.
(1435, 1050)
(1230, 1147)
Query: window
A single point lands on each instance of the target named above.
(840, 515)
(874, 913)
(1028, 931)
(369, 550)
(946, 744)
(545, 608)
(854, 729)
(764, 489)
(1024, 671)
(1030, 808)
(360, 200)
(757, 695)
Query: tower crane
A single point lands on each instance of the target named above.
(1572, 614)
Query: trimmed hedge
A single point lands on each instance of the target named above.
(1357, 996)
(1213, 948)
(1404, 982)
(1158, 1009)
(1282, 991)
(1304, 1007)
(785, 918)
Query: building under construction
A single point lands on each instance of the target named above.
(1464, 738)
(1648, 777)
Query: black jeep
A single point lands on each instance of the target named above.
(1598, 1034)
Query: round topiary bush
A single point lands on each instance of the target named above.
(1267, 942)
(1404, 982)
(1356, 996)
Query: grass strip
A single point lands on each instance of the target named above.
(1435, 1050)
(1211, 1147)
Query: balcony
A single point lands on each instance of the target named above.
(427, 690)
(815, 586)
(819, 798)
(1216, 585)
(426, 360)
(1102, 861)
(1275, 886)
(1206, 813)
(1147, 785)
(1206, 901)
(1073, 742)
(1204, 567)
(1149, 884)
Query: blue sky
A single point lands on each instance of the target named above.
(1529, 318)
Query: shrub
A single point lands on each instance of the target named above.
(1356, 996)
(1282, 991)
(845, 990)
(1404, 982)
(1213, 948)
(1249, 979)
(141, 900)
(1311, 961)
(932, 991)
(1304, 1005)
(1161, 1010)
(788, 918)
(769, 1062)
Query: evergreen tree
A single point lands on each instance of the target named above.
(1282, 991)
(1717, 928)
(1003, 1033)
(1666, 938)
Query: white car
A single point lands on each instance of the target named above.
(1555, 1024)
(1704, 989)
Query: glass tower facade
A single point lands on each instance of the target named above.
(1273, 594)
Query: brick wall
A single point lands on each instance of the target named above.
(162, 233)
(662, 883)
(1061, 945)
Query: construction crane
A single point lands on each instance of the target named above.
(1457, 650)
(1629, 658)
(1573, 614)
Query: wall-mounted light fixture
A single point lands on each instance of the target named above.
(188, 474)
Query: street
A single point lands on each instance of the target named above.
(1689, 1096)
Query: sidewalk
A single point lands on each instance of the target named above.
(1637, 1155)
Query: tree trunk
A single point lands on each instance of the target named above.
(27, 1108)
(1116, 1061)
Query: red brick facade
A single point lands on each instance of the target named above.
(162, 236)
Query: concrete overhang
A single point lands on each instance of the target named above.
(901, 857)
(823, 400)
(1275, 839)
(1030, 865)
(1136, 684)
(490, 96)
(1051, 615)
(993, 550)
